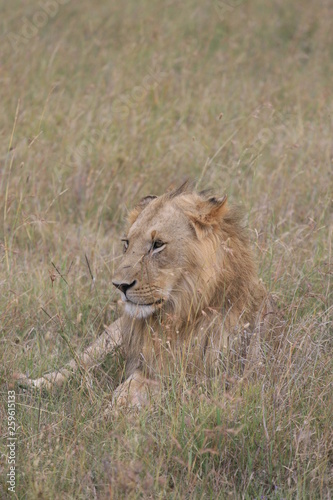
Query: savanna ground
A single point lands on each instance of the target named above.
(103, 103)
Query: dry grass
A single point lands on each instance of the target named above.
(241, 99)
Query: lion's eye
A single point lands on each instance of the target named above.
(125, 241)
(157, 246)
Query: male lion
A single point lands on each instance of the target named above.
(191, 294)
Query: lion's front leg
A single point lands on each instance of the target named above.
(136, 391)
(110, 339)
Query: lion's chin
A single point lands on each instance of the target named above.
(139, 311)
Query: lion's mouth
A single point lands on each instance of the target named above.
(156, 303)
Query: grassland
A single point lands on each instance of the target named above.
(103, 103)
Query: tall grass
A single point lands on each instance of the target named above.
(108, 102)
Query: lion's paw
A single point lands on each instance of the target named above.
(135, 392)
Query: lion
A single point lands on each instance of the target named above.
(191, 294)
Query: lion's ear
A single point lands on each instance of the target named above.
(217, 208)
(208, 215)
(134, 214)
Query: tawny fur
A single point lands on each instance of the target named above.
(191, 293)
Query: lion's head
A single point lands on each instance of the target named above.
(184, 251)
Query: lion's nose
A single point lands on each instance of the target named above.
(123, 287)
